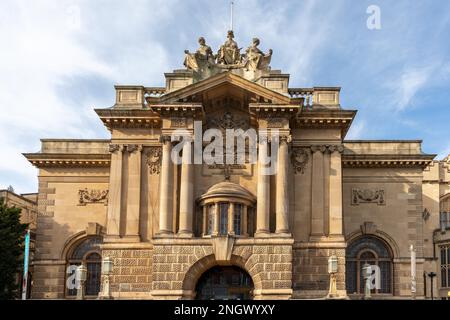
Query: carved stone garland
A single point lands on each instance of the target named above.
(87, 196)
(154, 157)
(368, 196)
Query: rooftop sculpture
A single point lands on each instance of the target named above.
(205, 64)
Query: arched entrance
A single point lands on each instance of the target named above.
(225, 283)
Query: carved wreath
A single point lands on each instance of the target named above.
(87, 196)
(299, 159)
(368, 196)
(154, 156)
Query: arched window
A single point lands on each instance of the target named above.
(372, 251)
(87, 253)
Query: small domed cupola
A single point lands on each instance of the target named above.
(227, 210)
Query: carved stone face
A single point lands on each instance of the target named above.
(255, 42)
(201, 41)
(230, 35)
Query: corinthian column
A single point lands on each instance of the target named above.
(263, 192)
(186, 192)
(282, 197)
(134, 192)
(115, 191)
(166, 189)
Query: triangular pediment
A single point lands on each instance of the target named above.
(225, 84)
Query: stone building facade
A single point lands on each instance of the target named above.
(189, 230)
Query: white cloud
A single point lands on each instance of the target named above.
(410, 83)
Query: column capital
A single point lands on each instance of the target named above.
(165, 138)
(115, 147)
(336, 148)
(285, 138)
(318, 148)
(132, 148)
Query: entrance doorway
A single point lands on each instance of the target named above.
(225, 283)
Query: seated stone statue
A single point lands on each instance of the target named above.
(255, 59)
(229, 53)
(202, 58)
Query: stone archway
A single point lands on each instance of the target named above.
(225, 283)
(198, 269)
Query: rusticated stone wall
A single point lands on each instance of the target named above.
(132, 272)
(177, 267)
(310, 271)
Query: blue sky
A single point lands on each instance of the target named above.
(60, 59)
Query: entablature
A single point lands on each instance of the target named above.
(45, 160)
(319, 119)
(386, 160)
(119, 118)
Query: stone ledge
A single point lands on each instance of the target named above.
(324, 245)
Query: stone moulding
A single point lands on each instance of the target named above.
(368, 196)
(87, 196)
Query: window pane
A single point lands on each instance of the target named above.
(443, 277)
(367, 256)
(237, 219)
(93, 278)
(210, 228)
(385, 269)
(448, 277)
(250, 222)
(448, 255)
(350, 276)
(443, 259)
(224, 218)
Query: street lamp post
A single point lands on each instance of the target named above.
(432, 275)
(107, 267)
(332, 270)
(81, 276)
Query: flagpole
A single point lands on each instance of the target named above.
(231, 19)
(25, 266)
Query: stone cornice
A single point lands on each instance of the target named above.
(178, 109)
(116, 118)
(386, 161)
(326, 119)
(268, 110)
(43, 160)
